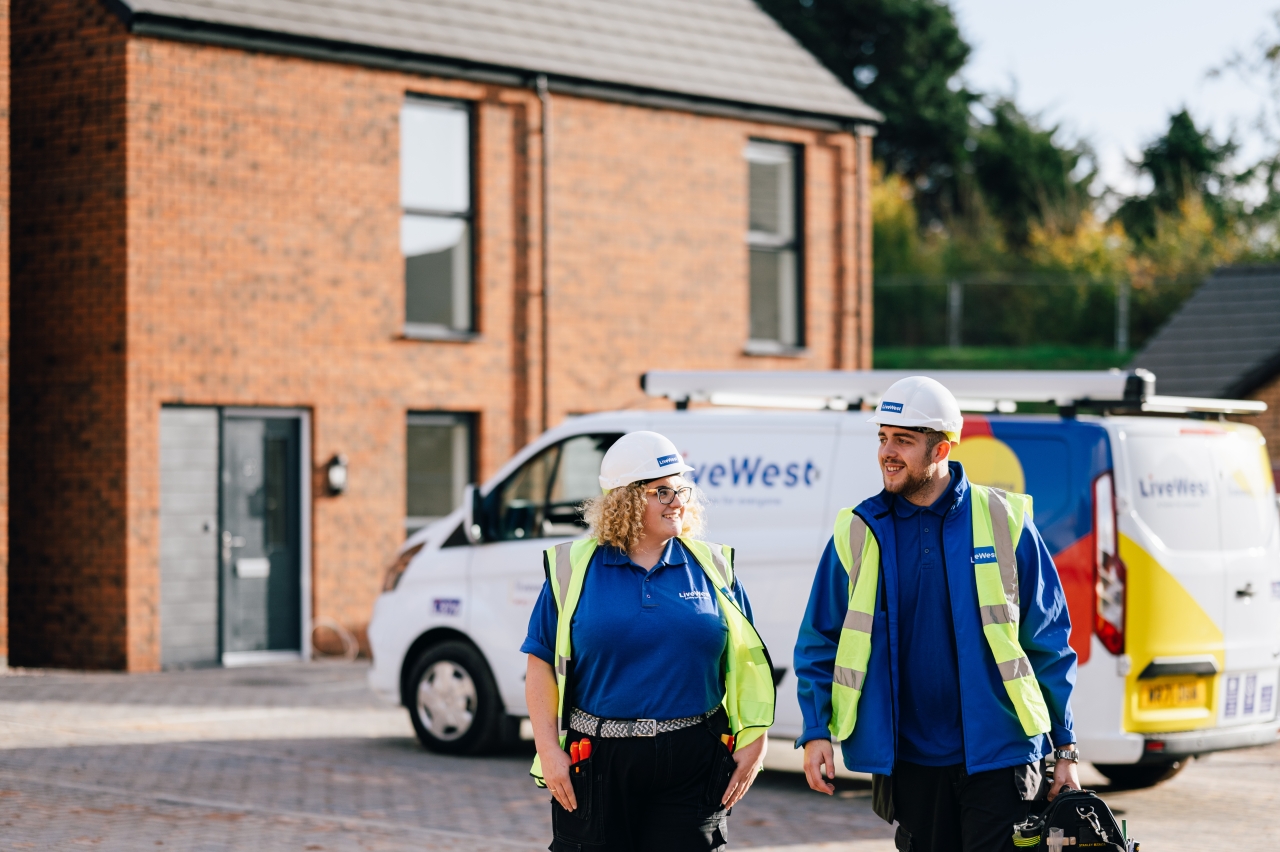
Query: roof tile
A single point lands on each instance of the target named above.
(1223, 340)
(726, 50)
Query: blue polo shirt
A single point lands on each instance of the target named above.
(646, 644)
(930, 732)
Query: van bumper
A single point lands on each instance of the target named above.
(387, 650)
(1160, 748)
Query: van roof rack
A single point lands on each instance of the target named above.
(1130, 391)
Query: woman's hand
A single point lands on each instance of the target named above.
(749, 759)
(555, 772)
(542, 695)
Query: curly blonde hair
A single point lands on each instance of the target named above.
(617, 517)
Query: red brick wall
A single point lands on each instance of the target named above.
(4, 332)
(1269, 422)
(263, 268)
(649, 256)
(68, 477)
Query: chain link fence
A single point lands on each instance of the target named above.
(1021, 310)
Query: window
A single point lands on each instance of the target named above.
(777, 303)
(435, 225)
(438, 466)
(543, 497)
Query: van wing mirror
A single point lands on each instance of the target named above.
(473, 519)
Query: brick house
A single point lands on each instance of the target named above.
(287, 274)
(1224, 343)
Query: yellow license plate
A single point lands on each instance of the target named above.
(1168, 694)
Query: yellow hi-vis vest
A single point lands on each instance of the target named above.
(748, 679)
(997, 527)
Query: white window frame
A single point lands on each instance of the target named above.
(791, 300)
(463, 325)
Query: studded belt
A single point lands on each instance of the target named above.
(582, 721)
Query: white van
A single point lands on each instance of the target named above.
(1164, 530)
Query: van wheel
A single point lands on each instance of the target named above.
(1136, 776)
(453, 701)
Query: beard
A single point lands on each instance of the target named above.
(912, 484)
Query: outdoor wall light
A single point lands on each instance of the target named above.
(336, 474)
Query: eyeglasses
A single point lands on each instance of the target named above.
(666, 495)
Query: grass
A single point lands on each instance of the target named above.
(1049, 357)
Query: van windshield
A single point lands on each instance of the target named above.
(544, 496)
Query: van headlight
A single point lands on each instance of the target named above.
(396, 570)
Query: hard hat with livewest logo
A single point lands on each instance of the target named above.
(639, 456)
(920, 402)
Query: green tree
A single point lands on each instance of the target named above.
(1026, 177)
(1184, 161)
(904, 57)
(901, 57)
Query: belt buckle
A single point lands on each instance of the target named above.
(645, 728)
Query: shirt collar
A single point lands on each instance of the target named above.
(673, 554)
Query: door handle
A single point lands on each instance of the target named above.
(1247, 592)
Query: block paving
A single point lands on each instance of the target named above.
(302, 757)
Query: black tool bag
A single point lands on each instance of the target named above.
(1074, 819)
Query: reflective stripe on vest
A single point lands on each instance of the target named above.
(749, 691)
(859, 553)
(997, 526)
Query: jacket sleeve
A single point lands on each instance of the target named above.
(815, 654)
(1045, 629)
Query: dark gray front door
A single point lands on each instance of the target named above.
(261, 565)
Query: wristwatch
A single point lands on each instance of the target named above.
(1072, 753)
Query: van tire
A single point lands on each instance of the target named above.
(1137, 776)
(453, 701)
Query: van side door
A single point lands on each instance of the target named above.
(766, 478)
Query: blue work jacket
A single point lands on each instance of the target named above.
(993, 736)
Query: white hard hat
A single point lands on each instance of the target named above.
(638, 456)
(919, 401)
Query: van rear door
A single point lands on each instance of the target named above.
(1251, 557)
(1170, 524)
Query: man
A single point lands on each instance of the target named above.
(935, 643)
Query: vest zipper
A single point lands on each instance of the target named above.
(893, 688)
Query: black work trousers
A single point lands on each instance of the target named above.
(649, 794)
(945, 809)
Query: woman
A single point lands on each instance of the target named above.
(641, 645)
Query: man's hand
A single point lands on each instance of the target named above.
(555, 773)
(819, 760)
(749, 760)
(1064, 775)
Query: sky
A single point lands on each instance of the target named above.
(1112, 71)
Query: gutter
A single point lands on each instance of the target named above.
(544, 251)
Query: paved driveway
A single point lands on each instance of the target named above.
(302, 758)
